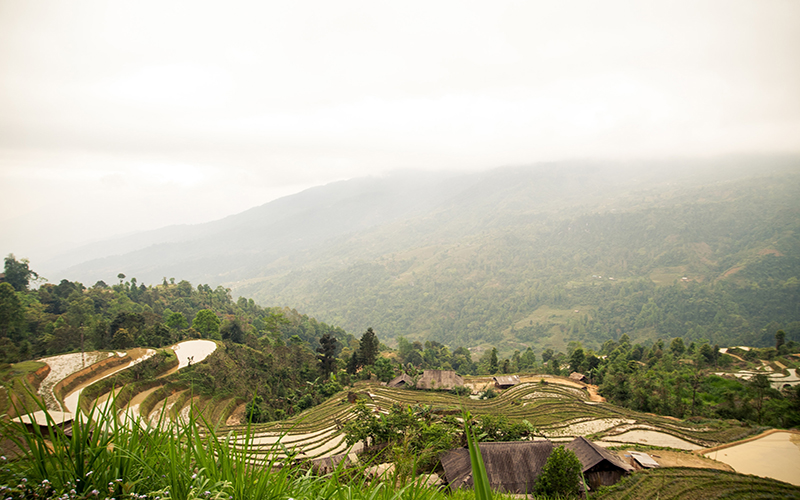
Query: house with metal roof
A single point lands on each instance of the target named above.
(506, 381)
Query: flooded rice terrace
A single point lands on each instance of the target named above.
(775, 455)
(193, 351)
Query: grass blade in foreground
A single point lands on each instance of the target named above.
(480, 479)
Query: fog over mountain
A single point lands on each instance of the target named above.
(118, 118)
(358, 252)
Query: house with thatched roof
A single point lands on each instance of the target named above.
(578, 377)
(439, 379)
(600, 467)
(402, 380)
(512, 467)
(506, 381)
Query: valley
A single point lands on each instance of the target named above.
(654, 316)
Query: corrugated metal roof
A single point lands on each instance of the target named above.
(506, 380)
(644, 460)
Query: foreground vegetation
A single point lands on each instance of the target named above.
(105, 459)
(128, 460)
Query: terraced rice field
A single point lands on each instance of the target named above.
(557, 412)
(777, 379)
(61, 367)
(681, 483)
(775, 454)
(89, 366)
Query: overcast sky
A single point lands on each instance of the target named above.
(121, 116)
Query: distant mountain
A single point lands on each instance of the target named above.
(511, 256)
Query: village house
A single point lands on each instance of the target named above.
(439, 379)
(506, 381)
(402, 380)
(513, 467)
(578, 377)
(600, 467)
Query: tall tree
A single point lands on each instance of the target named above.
(576, 359)
(368, 347)
(353, 363)
(780, 339)
(12, 318)
(207, 323)
(177, 321)
(677, 346)
(761, 386)
(232, 330)
(327, 354)
(18, 274)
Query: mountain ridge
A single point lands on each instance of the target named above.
(461, 243)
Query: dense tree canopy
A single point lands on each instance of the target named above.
(17, 273)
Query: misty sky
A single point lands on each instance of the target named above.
(122, 116)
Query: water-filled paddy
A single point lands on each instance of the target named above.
(653, 438)
(193, 351)
(775, 455)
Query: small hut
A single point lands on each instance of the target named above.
(439, 379)
(578, 377)
(506, 382)
(644, 460)
(512, 467)
(402, 380)
(600, 467)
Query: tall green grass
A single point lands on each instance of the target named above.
(109, 458)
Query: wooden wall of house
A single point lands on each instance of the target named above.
(603, 478)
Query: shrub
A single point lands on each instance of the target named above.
(561, 474)
(330, 388)
(488, 394)
(461, 390)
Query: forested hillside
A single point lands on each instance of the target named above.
(266, 352)
(515, 257)
(717, 262)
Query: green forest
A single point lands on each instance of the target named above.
(284, 362)
(268, 353)
(716, 263)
